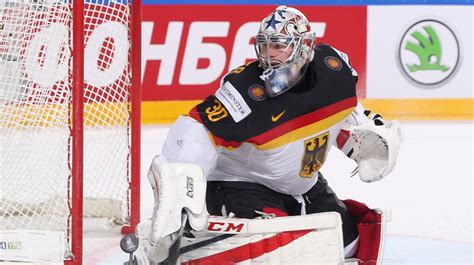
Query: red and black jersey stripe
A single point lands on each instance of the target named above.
(323, 97)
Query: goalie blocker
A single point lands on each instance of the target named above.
(313, 238)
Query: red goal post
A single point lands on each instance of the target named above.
(69, 124)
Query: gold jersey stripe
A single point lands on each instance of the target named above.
(306, 131)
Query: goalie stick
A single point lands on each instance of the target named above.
(175, 248)
(204, 243)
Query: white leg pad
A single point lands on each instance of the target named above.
(309, 239)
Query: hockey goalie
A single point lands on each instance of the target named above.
(238, 179)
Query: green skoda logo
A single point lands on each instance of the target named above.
(429, 52)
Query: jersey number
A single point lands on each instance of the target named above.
(216, 112)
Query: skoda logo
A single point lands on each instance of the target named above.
(429, 52)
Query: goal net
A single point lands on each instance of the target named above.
(37, 147)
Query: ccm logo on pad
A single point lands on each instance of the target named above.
(225, 227)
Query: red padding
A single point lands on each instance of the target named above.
(342, 138)
(369, 224)
(277, 212)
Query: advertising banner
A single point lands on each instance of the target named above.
(188, 48)
(421, 52)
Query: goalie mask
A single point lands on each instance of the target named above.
(284, 47)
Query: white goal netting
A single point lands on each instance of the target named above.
(36, 112)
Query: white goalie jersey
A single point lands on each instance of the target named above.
(284, 165)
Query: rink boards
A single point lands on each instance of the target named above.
(187, 48)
